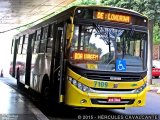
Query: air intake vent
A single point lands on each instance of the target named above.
(112, 77)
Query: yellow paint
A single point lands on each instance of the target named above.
(61, 98)
(148, 88)
(110, 84)
(74, 96)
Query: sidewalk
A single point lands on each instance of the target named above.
(14, 106)
(155, 87)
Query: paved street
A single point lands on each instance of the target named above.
(152, 107)
(14, 106)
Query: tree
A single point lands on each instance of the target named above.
(88, 2)
(150, 8)
(156, 34)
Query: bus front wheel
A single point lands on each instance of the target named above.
(18, 77)
(45, 92)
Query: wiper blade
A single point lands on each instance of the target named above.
(103, 34)
(132, 31)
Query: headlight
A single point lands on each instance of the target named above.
(140, 89)
(70, 79)
(85, 88)
(80, 86)
(74, 82)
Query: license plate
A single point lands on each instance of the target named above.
(114, 99)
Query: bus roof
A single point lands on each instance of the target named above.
(73, 8)
(112, 8)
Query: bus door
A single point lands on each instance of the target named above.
(28, 59)
(58, 71)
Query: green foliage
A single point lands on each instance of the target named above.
(93, 49)
(153, 10)
(128, 4)
(88, 2)
(156, 34)
(150, 8)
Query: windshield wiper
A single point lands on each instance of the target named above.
(132, 32)
(101, 31)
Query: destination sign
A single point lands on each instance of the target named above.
(85, 56)
(115, 17)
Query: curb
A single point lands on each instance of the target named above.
(148, 88)
(154, 89)
(158, 92)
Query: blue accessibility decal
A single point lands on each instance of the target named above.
(120, 65)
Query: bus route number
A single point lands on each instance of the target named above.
(100, 84)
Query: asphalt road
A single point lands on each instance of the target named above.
(152, 107)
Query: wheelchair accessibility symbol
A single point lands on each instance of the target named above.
(120, 65)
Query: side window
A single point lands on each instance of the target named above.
(37, 41)
(20, 45)
(75, 39)
(43, 46)
(51, 31)
(142, 48)
(33, 42)
(25, 43)
(135, 48)
(58, 43)
(50, 39)
(44, 39)
(38, 36)
(45, 33)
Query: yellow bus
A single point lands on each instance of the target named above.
(86, 56)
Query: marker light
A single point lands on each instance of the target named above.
(80, 86)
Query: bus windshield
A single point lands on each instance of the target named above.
(99, 47)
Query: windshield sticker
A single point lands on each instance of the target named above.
(120, 65)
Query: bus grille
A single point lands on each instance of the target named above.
(123, 78)
(105, 102)
(104, 89)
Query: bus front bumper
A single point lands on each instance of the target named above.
(77, 98)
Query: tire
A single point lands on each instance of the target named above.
(19, 84)
(18, 77)
(45, 93)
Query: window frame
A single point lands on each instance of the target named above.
(25, 38)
